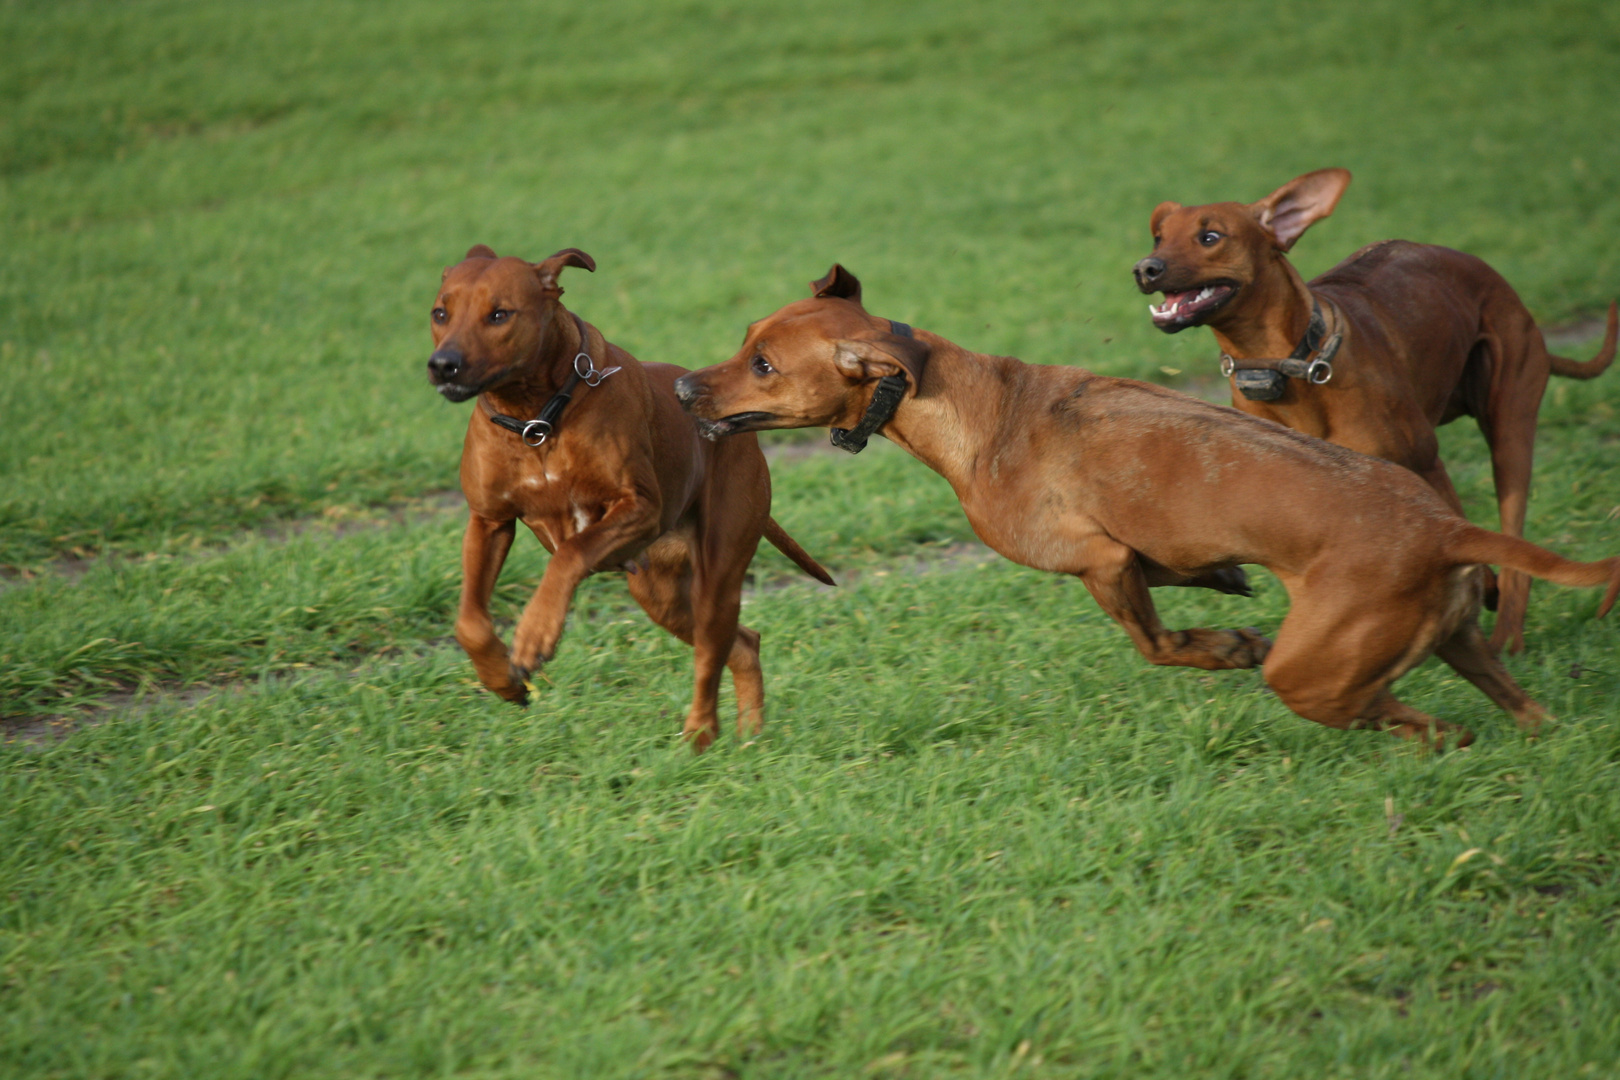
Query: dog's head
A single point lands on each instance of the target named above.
(491, 317)
(1205, 257)
(814, 363)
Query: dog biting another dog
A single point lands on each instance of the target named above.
(1128, 486)
(589, 449)
(1373, 355)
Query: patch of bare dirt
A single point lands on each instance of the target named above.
(43, 732)
(1575, 332)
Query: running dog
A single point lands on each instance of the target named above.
(1127, 486)
(1374, 354)
(589, 449)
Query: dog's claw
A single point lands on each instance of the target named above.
(520, 679)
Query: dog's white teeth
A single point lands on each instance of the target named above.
(1206, 294)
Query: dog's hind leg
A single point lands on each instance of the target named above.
(1512, 438)
(1114, 575)
(748, 679)
(1435, 473)
(1385, 713)
(483, 551)
(1507, 420)
(667, 589)
(1333, 664)
(1471, 657)
(718, 641)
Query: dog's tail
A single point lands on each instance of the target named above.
(1475, 545)
(784, 543)
(1591, 369)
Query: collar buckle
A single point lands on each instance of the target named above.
(891, 390)
(535, 432)
(1264, 380)
(585, 369)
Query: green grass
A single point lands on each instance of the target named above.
(974, 821)
(225, 222)
(979, 836)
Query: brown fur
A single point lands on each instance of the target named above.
(625, 482)
(1128, 486)
(1430, 334)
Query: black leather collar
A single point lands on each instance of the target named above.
(1262, 379)
(891, 390)
(535, 432)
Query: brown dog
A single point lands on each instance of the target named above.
(1128, 485)
(1410, 337)
(616, 477)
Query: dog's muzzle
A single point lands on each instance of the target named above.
(688, 389)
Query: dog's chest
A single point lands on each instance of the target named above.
(553, 503)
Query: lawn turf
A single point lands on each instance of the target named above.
(979, 836)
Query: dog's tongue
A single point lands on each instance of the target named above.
(1171, 309)
(1181, 306)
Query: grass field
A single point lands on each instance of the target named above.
(979, 836)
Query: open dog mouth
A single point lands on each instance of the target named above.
(1191, 306)
(731, 425)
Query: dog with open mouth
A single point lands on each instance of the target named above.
(1127, 486)
(1375, 354)
(587, 447)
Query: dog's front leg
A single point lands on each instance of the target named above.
(1228, 579)
(483, 552)
(1114, 576)
(629, 525)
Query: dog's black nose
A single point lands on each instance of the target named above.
(687, 389)
(445, 364)
(1148, 271)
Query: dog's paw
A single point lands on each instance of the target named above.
(1249, 647)
(1231, 580)
(518, 694)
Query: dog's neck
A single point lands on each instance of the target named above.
(953, 419)
(546, 369)
(1270, 318)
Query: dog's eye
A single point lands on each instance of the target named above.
(440, 315)
(1209, 237)
(761, 366)
(500, 315)
(1157, 240)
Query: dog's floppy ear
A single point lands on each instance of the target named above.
(1160, 212)
(548, 269)
(865, 359)
(1297, 205)
(838, 282)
